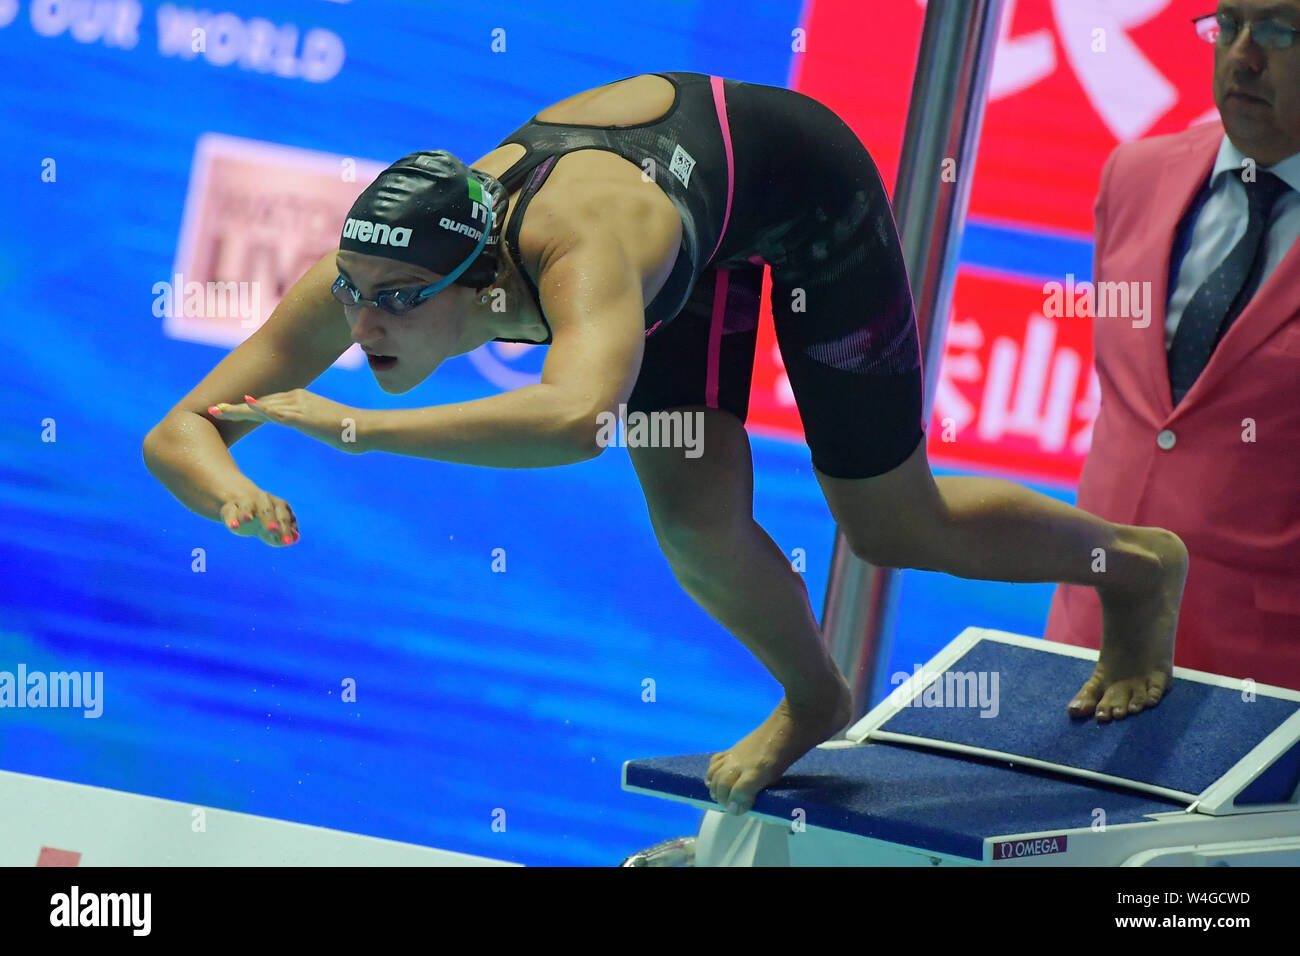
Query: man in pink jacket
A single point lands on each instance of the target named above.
(1199, 429)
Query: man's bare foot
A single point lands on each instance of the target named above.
(737, 775)
(1139, 621)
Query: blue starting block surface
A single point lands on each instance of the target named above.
(933, 801)
(1197, 733)
(925, 770)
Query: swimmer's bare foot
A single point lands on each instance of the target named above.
(737, 775)
(1139, 621)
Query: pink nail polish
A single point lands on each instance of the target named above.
(250, 399)
(234, 524)
(284, 539)
(274, 526)
(213, 410)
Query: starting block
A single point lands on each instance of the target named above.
(973, 761)
(54, 823)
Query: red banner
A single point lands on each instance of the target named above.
(1072, 79)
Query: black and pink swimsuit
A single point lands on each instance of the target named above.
(765, 177)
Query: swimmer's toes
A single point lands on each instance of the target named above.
(1157, 685)
(745, 793)
(1114, 703)
(1084, 703)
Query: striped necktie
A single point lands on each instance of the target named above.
(1224, 295)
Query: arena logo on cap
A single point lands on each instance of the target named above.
(363, 230)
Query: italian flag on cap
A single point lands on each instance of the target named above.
(475, 189)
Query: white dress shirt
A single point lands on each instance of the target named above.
(1222, 223)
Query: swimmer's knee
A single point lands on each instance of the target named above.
(691, 540)
(877, 549)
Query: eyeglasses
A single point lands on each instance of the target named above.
(392, 301)
(1221, 29)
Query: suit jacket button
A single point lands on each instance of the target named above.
(1166, 439)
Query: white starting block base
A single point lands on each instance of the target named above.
(760, 840)
(94, 826)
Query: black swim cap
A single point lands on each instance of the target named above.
(430, 209)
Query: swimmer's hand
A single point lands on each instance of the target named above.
(314, 416)
(254, 513)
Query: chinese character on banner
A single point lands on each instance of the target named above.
(1071, 80)
(1016, 389)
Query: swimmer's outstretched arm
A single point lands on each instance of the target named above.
(593, 300)
(536, 426)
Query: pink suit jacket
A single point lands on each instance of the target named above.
(1235, 503)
